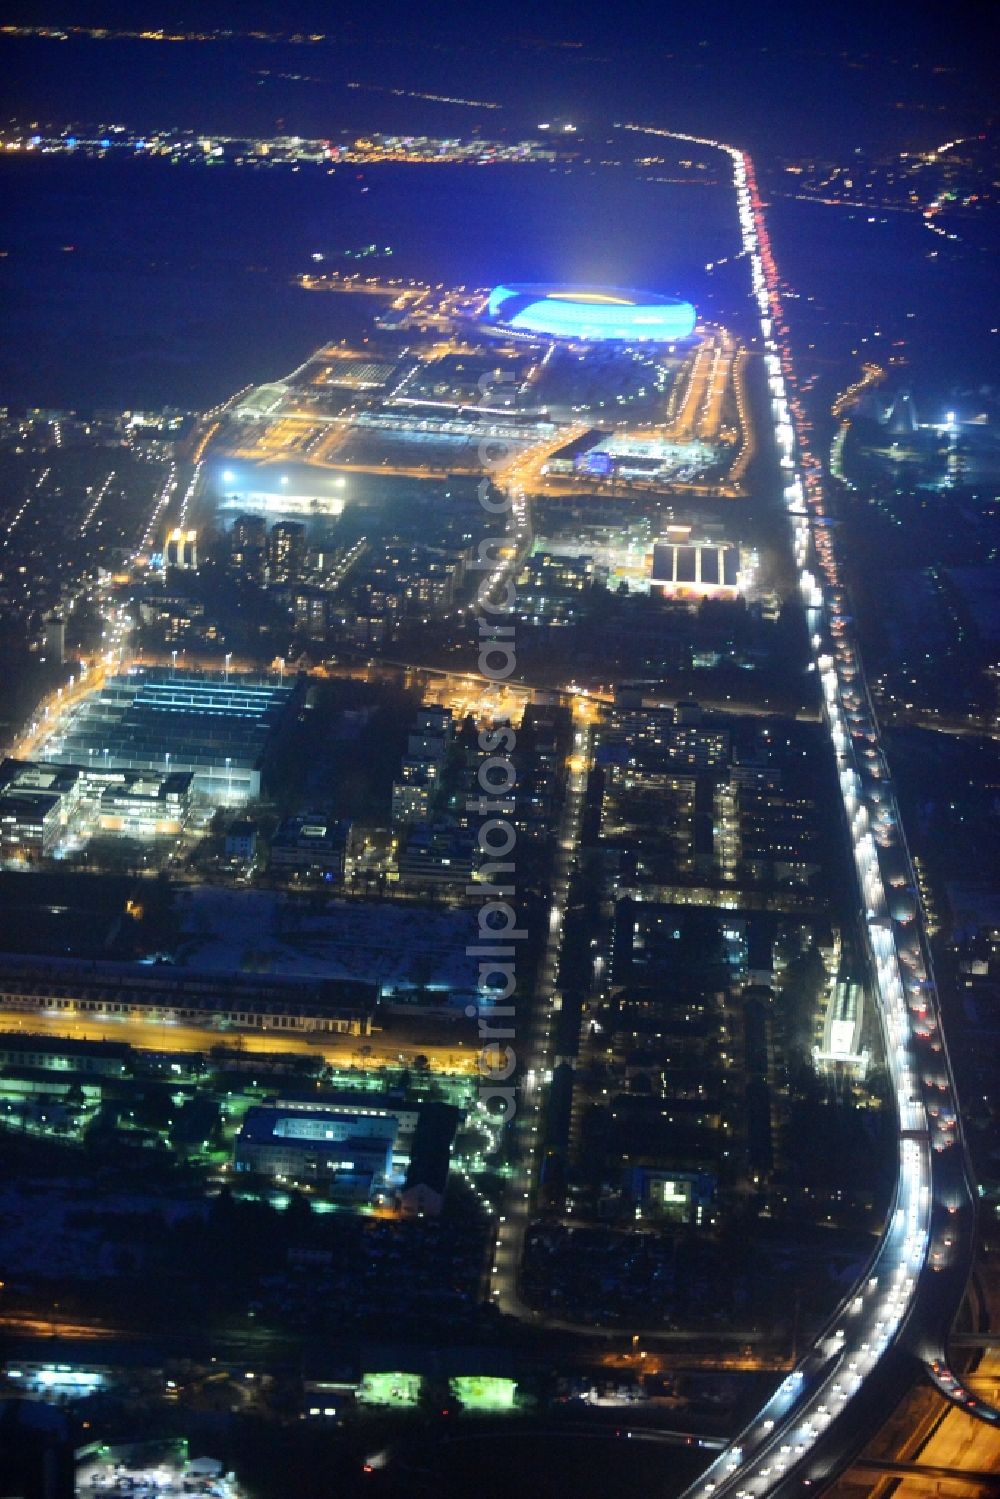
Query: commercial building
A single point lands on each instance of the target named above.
(437, 855)
(41, 804)
(36, 804)
(696, 569)
(349, 1153)
(30, 825)
(566, 460)
(840, 1050)
(219, 729)
(181, 550)
(310, 848)
(249, 489)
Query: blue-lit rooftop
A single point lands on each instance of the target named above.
(217, 727)
(591, 314)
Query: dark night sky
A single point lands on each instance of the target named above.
(770, 74)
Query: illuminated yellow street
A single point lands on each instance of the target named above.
(960, 1442)
(347, 1051)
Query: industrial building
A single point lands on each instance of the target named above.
(218, 728)
(63, 1054)
(402, 1114)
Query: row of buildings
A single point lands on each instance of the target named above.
(682, 803)
(435, 832)
(706, 835)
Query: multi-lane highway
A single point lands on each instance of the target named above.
(915, 1280)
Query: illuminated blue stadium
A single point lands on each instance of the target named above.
(591, 313)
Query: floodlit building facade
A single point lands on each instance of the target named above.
(217, 728)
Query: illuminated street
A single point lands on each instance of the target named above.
(535, 1058)
(178, 1037)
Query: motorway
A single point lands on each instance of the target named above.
(909, 1293)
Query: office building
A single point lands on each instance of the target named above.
(142, 804)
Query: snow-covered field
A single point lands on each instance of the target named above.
(260, 931)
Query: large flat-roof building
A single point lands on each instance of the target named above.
(36, 804)
(218, 728)
(351, 1153)
(50, 913)
(695, 569)
(41, 805)
(64, 1054)
(144, 804)
(166, 995)
(591, 314)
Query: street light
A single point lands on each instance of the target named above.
(229, 657)
(173, 657)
